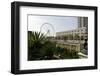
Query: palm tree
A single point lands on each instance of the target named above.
(36, 39)
(35, 43)
(40, 47)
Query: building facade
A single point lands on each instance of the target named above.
(82, 22)
(81, 30)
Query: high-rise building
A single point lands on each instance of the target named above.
(82, 22)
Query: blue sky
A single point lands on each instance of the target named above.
(59, 23)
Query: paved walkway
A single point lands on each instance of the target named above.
(81, 55)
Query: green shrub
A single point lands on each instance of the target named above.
(41, 48)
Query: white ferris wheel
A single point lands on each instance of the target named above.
(47, 29)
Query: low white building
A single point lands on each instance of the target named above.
(80, 31)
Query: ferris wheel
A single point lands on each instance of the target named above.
(47, 29)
